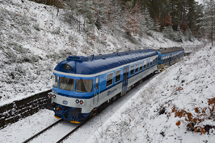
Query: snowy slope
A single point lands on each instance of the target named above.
(151, 116)
(26, 127)
(33, 39)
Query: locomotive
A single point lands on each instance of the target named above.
(84, 85)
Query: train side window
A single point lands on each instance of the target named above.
(97, 82)
(137, 67)
(132, 70)
(147, 64)
(109, 79)
(151, 63)
(84, 85)
(118, 76)
(144, 65)
(141, 66)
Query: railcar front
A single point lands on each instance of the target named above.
(72, 93)
(72, 97)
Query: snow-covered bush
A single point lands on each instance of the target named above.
(56, 30)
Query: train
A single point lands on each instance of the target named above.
(83, 86)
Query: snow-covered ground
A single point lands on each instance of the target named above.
(151, 116)
(146, 113)
(33, 39)
(25, 128)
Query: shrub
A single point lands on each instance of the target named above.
(56, 31)
(37, 27)
(201, 114)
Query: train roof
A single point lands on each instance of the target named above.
(96, 64)
(170, 50)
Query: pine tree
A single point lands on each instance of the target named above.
(188, 35)
(157, 25)
(178, 35)
(149, 23)
(207, 22)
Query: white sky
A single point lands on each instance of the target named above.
(200, 1)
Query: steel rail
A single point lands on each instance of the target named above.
(29, 139)
(67, 135)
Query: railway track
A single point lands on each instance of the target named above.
(81, 124)
(39, 133)
(49, 127)
(67, 135)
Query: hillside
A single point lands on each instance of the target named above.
(176, 106)
(33, 39)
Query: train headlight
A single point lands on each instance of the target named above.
(77, 101)
(81, 102)
(67, 67)
(52, 96)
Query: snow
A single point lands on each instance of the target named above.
(140, 121)
(25, 128)
(200, 1)
(33, 40)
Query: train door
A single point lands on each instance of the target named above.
(125, 80)
(96, 91)
(170, 59)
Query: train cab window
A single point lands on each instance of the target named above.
(137, 67)
(109, 79)
(84, 85)
(141, 66)
(66, 83)
(118, 76)
(132, 70)
(55, 81)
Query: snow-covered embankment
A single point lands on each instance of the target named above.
(172, 107)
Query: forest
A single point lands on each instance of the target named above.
(179, 20)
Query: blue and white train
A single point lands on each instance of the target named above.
(84, 85)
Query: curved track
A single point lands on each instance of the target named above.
(36, 136)
(39, 133)
(67, 135)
